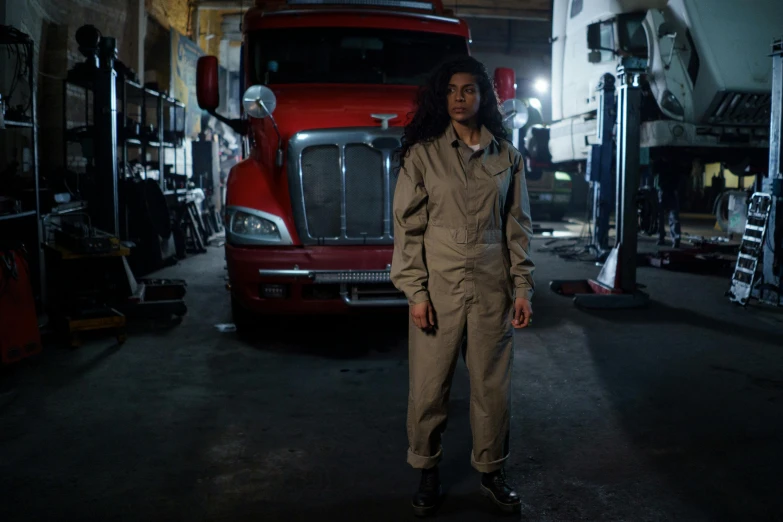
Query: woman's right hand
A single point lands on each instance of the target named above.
(423, 315)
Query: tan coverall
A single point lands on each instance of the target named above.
(462, 233)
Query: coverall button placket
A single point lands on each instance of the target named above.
(470, 211)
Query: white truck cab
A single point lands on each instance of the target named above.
(707, 90)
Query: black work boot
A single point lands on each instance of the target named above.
(494, 486)
(425, 501)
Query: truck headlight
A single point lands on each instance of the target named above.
(254, 226)
(671, 104)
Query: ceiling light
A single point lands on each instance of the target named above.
(541, 85)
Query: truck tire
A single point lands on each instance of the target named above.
(243, 319)
(721, 208)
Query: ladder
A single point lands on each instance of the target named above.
(751, 248)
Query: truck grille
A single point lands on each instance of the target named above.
(739, 108)
(342, 183)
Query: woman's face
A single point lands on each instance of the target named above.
(464, 98)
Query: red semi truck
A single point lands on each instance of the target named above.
(330, 85)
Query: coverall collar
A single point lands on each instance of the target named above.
(486, 139)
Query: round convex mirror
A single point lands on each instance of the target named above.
(514, 113)
(259, 101)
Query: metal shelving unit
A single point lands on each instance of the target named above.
(151, 106)
(19, 124)
(147, 121)
(25, 227)
(9, 217)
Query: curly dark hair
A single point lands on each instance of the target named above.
(431, 116)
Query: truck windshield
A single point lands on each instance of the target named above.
(632, 36)
(348, 55)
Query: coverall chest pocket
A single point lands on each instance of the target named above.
(499, 172)
(496, 168)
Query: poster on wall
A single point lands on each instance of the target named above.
(184, 55)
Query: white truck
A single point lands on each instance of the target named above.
(706, 95)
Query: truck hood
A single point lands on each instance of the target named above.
(308, 107)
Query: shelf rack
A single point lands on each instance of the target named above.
(25, 227)
(147, 120)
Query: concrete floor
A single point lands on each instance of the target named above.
(669, 413)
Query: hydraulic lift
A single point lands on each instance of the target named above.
(599, 167)
(772, 270)
(616, 285)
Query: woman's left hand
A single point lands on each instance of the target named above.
(523, 311)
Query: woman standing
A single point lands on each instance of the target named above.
(462, 233)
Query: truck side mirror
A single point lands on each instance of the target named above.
(594, 36)
(594, 57)
(207, 91)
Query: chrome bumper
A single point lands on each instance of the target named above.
(351, 294)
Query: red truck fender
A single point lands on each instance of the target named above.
(249, 186)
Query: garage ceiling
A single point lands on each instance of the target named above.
(540, 10)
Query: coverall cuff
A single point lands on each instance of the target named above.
(524, 292)
(422, 462)
(487, 467)
(419, 296)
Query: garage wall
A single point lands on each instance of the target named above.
(170, 13)
(519, 44)
(53, 25)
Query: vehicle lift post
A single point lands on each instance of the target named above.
(616, 285)
(599, 167)
(772, 261)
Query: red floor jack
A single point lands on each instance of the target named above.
(616, 285)
(19, 335)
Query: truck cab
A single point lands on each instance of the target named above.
(330, 85)
(706, 92)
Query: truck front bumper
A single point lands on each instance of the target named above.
(311, 280)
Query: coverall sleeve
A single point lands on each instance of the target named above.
(519, 232)
(409, 269)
